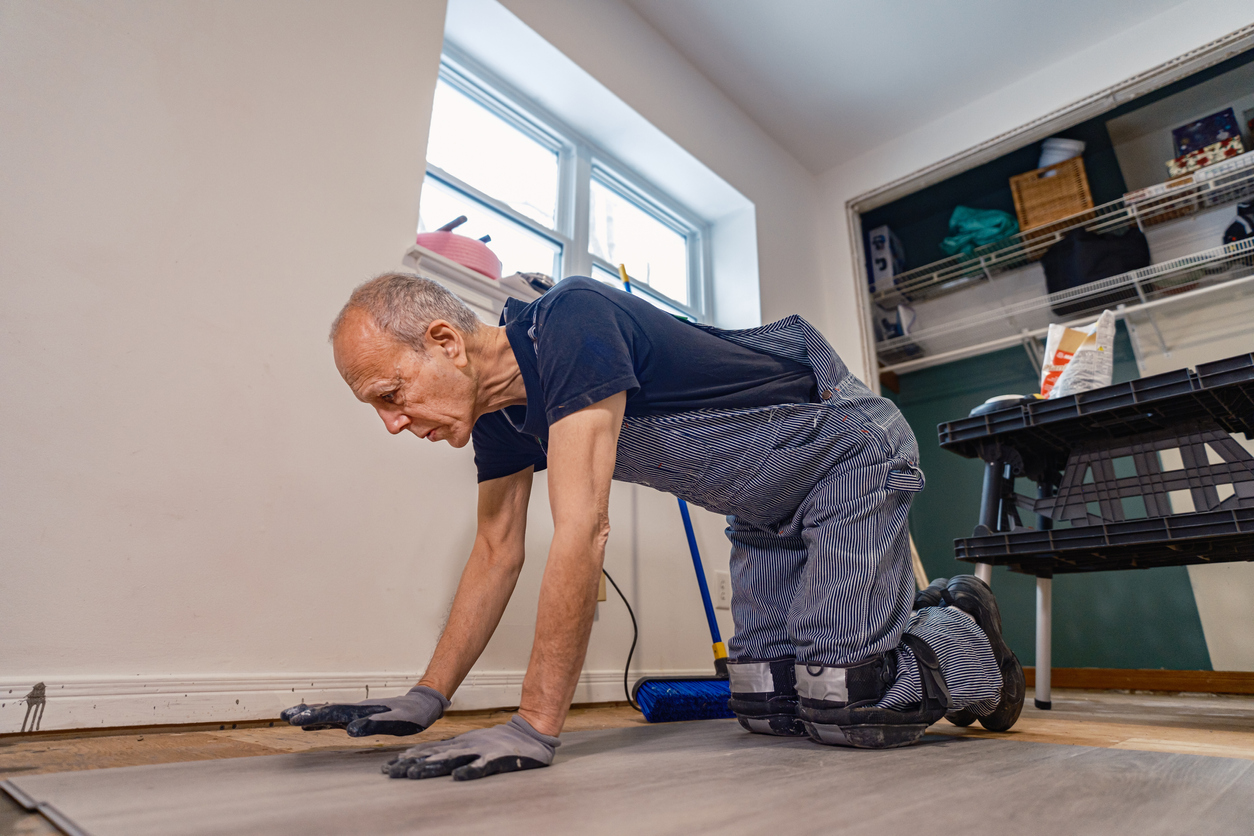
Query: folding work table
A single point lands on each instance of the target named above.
(1130, 476)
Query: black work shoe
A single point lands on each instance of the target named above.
(837, 705)
(973, 596)
(933, 596)
(764, 696)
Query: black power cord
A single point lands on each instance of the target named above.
(635, 635)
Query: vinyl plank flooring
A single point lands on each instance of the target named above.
(681, 778)
(66, 751)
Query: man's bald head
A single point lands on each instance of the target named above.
(404, 305)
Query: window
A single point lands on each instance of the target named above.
(621, 231)
(518, 175)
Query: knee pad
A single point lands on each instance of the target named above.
(764, 696)
(837, 705)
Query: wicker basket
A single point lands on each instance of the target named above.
(1051, 193)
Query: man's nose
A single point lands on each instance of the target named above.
(395, 420)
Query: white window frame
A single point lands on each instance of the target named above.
(579, 162)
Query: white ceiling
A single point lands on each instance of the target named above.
(828, 78)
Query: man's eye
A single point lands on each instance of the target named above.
(388, 397)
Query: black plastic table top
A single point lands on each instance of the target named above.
(1043, 432)
(1178, 540)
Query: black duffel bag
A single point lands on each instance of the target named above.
(1082, 257)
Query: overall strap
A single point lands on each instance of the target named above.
(793, 339)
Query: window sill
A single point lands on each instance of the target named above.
(484, 295)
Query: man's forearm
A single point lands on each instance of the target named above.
(482, 595)
(487, 581)
(582, 451)
(568, 598)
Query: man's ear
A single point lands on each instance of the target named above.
(444, 338)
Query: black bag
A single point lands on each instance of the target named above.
(1082, 257)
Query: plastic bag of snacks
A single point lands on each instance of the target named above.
(1079, 359)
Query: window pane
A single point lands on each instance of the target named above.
(602, 275)
(609, 277)
(519, 249)
(482, 149)
(622, 233)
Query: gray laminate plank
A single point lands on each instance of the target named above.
(678, 779)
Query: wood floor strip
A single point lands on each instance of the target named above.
(1115, 679)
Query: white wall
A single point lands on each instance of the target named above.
(1159, 39)
(189, 492)
(197, 521)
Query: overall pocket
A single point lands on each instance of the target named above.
(905, 477)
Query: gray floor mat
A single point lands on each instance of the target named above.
(706, 777)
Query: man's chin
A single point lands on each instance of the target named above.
(454, 439)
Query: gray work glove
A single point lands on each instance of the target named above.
(477, 754)
(407, 714)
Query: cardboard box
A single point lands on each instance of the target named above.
(1205, 132)
(1203, 157)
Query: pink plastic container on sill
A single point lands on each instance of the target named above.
(468, 252)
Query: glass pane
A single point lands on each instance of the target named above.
(608, 276)
(670, 309)
(519, 249)
(611, 278)
(480, 148)
(623, 233)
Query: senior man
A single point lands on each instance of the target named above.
(814, 472)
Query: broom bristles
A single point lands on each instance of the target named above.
(668, 700)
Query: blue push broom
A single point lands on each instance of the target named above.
(665, 700)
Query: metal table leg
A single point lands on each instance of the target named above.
(1044, 635)
(990, 510)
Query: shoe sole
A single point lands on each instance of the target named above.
(974, 597)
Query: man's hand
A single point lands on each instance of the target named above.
(477, 754)
(407, 714)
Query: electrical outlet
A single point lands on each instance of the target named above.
(722, 590)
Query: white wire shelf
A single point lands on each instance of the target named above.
(1226, 182)
(1015, 322)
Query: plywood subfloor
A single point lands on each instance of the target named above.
(680, 778)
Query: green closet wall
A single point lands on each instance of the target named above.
(1136, 619)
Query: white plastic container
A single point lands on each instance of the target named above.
(1056, 150)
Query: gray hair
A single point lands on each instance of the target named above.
(404, 305)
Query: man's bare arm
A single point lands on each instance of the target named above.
(581, 454)
(487, 581)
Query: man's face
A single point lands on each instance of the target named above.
(432, 395)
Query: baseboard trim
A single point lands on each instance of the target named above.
(72, 703)
(1117, 679)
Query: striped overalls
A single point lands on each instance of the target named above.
(816, 496)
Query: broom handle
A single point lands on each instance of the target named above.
(720, 649)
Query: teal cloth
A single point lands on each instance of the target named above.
(970, 228)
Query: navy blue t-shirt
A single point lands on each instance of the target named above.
(584, 341)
